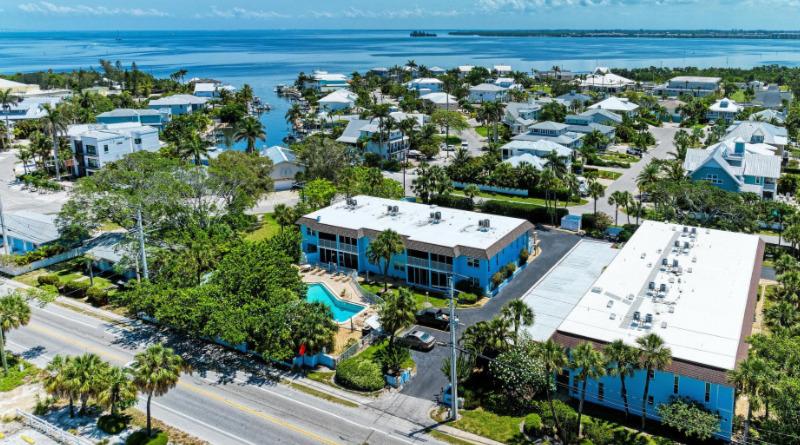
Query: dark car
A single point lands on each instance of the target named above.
(435, 318)
(419, 340)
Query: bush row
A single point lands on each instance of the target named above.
(359, 374)
(533, 213)
(75, 289)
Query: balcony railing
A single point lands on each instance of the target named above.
(418, 262)
(333, 245)
(441, 266)
(328, 244)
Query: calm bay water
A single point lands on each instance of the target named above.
(270, 57)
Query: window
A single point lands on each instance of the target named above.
(105, 148)
(649, 400)
(91, 150)
(310, 232)
(574, 384)
(473, 262)
(399, 267)
(675, 383)
(713, 178)
(708, 392)
(601, 392)
(137, 141)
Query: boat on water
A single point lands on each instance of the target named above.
(422, 34)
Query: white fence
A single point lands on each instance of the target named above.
(50, 430)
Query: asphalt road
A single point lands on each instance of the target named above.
(430, 380)
(228, 399)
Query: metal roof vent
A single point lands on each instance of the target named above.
(610, 303)
(613, 316)
(671, 309)
(663, 325)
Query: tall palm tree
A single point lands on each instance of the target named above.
(293, 114)
(387, 244)
(60, 380)
(623, 361)
(117, 389)
(407, 128)
(251, 130)
(554, 359)
(316, 328)
(519, 314)
(548, 180)
(55, 120)
(192, 147)
(155, 372)
(751, 377)
(617, 199)
(653, 355)
(89, 370)
(14, 313)
(397, 312)
(650, 174)
(596, 191)
(588, 363)
(284, 215)
(7, 99)
(26, 156)
(382, 112)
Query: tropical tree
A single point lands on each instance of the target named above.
(192, 147)
(60, 380)
(751, 378)
(88, 374)
(596, 191)
(653, 355)
(554, 359)
(396, 312)
(25, 155)
(622, 361)
(7, 99)
(387, 244)
(284, 215)
(294, 114)
(518, 314)
(649, 176)
(155, 372)
(471, 191)
(549, 182)
(117, 390)
(14, 313)
(617, 199)
(251, 130)
(383, 113)
(588, 363)
(55, 120)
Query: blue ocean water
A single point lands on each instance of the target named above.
(266, 58)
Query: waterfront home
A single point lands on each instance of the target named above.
(437, 71)
(736, 166)
(338, 100)
(26, 109)
(771, 116)
(575, 100)
(18, 88)
(487, 92)
(671, 107)
(502, 70)
(602, 79)
(771, 96)
(145, 116)
(364, 132)
(178, 104)
(95, 145)
(553, 132)
(756, 132)
(696, 86)
(724, 109)
(566, 76)
(540, 149)
(324, 81)
(619, 105)
(425, 85)
(696, 288)
(506, 82)
(518, 116)
(441, 100)
(27, 231)
(285, 166)
(205, 89)
(380, 71)
(439, 242)
(463, 70)
(526, 158)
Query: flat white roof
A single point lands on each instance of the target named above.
(699, 313)
(456, 228)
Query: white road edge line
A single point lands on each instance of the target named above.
(71, 319)
(200, 422)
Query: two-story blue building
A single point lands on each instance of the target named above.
(154, 118)
(736, 166)
(551, 131)
(696, 289)
(178, 104)
(439, 242)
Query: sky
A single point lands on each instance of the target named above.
(44, 15)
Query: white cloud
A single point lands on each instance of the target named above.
(242, 13)
(45, 7)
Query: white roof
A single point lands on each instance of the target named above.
(540, 146)
(700, 315)
(108, 131)
(487, 87)
(439, 98)
(340, 96)
(179, 99)
(614, 103)
(502, 68)
(205, 87)
(35, 227)
(725, 105)
(466, 68)
(457, 227)
(426, 81)
(605, 79)
(535, 161)
(696, 79)
(5, 83)
(329, 77)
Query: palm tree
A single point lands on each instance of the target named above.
(387, 244)
(596, 191)
(397, 312)
(650, 174)
(284, 215)
(617, 198)
(251, 130)
(155, 372)
(60, 380)
(519, 314)
(246, 95)
(6, 101)
(382, 112)
(554, 359)
(471, 191)
(588, 363)
(751, 377)
(89, 370)
(315, 328)
(192, 147)
(117, 389)
(26, 156)
(548, 180)
(623, 361)
(55, 120)
(407, 127)
(14, 313)
(653, 355)
(293, 114)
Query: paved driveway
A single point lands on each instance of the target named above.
(430, 379)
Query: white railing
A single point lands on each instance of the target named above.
(328, 244)
(441, 266)
(418, 262)
(50, 430)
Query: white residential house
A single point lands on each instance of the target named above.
(95, 145)
(285, 166)
(602, 79)
(338, 100)
(425, 85)
(697, 86)
(437, 71)
(441, 100)
(487, 92)
(724, 109)
(756, 132)
(553, 132)
(502, 70)
(619, 105)
(463, 70)
(518, 116)
(540, 148)
(28, 108)
(18, 87)
(365, 132)
(211, 89)
(505, 82)
(325, 81)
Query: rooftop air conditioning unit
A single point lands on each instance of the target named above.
(637, 316)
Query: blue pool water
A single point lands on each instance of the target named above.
(342, 310)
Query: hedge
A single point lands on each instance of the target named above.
(76, 289)
(533, 213)
(112, 424)
(466, 286)
(467, 298)
(97, 296)
(533, 425)
(454, 201)
(51, 279)
(359, 374)
(140, 438)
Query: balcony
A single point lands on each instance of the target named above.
(333, 245)
(445, 267)
(418, 262)
(328, 244)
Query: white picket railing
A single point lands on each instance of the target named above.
(50, 430)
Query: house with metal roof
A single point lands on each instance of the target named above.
(619, 105)
(773, 117)
(441, 100)
(724, 109)
(756, 132)
(145, 116)
(697, 86)
(285, 166)
(551, 131)
(736, 166)
(574, 97)
(338, 100)
(516, 152)
(425, 85)
(518, 116)
(602, 79)
(27, 109)
(487, 92)
(325, 81)
(364, 131)
(27, 231)
(179, 104)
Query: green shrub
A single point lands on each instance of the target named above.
(533, 425)
(498, 278)
(467, 286)
(97, 296)
(599, 432)
(509, 269)
(567, 417)
(467, 298)
(359, 374)
(49, 279)
(76, 289)
(112, 424)
(140, 438)
(523, 256)
(49, 288)
(533, 213)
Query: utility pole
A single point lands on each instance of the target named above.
(3, 227)
(453, 358)
(141, 243)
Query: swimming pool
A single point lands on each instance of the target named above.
(342, 310)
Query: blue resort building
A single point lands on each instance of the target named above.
(696, 289)
(154, 118)
(439, 241)
(178, 104)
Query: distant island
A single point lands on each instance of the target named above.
(641, 33)
(422, 34)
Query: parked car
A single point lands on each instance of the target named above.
(634, 151)
(435, 318)
(465, 145)
(419, 340)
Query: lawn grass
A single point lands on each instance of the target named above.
(521, 199)
(320, 394)
(541, 87)
(452, 140)
(16, 378)
(372, 350)
(267, 227)
(483, 131)
(608, 174)
(448, 438)
(738, 96)
(436, 300)
(503, 429)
